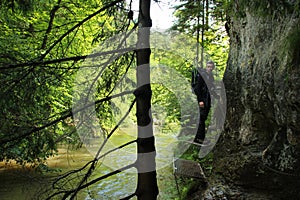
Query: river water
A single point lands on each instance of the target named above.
(22, 183)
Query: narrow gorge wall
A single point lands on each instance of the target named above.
(260, 146)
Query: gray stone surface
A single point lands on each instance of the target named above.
(260, 145)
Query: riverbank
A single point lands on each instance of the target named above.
(27, 183)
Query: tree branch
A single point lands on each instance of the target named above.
(74, 58)
(52, 15)
(69, 113)
(82, 168)
(78, 25)
(92, 167)
(129, 197)
(69, 192)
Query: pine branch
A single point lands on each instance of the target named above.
(78, 25)
(66, 175)
(52, 15)
(69, 113)
(129, 197)
(74, 58)
(67, 193)
(92, 167)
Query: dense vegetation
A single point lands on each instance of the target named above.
(42, 47)
(43, 44)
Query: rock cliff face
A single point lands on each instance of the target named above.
(260, 146)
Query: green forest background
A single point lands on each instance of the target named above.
(43, 45)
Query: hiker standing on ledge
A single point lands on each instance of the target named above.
(203, 88)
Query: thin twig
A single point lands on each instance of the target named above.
(82, 168)
(129, 197)
(69, 113)
(52, 15)
(69, 192)
(74, 58)
(78, 25)
(92, 167)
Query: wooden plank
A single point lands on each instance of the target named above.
(188, 168)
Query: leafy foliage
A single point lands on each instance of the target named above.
(208, 18)
(34, 92)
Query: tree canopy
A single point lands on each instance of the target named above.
(42, 46)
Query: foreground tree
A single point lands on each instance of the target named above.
(38, 67)
(147, 188)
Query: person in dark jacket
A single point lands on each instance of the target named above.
(203, 89)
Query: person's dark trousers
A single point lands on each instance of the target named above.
(201, 126)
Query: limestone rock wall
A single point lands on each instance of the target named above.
(260, 145)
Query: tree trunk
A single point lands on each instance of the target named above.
(147, 188)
